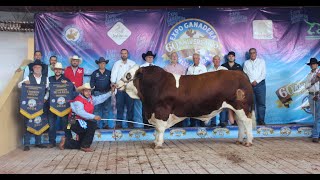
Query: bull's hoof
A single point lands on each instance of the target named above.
(158, 147)
(238, 142)
(247, 144)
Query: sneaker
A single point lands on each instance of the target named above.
(26, 148)
(40, 146)
(315, 140)
(261, 123)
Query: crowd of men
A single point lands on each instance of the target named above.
(97, 106)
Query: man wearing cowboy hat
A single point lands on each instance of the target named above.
(148, 57)
(57, 78)
(75, 73)
(28, 68)
(35, 78)
(312, 84)
(100, 79)
(85, 126)
(119, 68)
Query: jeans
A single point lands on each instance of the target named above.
(103, 110)
(52, 118)
(137, 113)
(124, 100)
(260, 100)
(27, 135)
(315, 107)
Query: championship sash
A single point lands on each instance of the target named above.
(60, 95)
(38, 125)
(32, 99)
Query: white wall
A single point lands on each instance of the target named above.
(13, 50)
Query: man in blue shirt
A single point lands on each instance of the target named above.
(100, 79)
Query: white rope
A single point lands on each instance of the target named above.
(127, 121)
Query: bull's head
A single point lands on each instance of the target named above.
(126, 83)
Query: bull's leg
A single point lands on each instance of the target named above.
(248, 127)
(160, 133)
(241, 133)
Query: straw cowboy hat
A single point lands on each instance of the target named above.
(84, 86)
(58, 65)
(75, 57)
(149, 53)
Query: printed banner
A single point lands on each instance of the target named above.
(60, 95)
(31, 100)
(286, 38)
(38, 125)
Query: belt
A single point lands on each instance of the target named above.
(314, 93)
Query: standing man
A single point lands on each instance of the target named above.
(231, 64)
(174, 67)
(58, 77)
(196, 69)
(75, 73)
(217, 67)
(35, 78)
(312, 84)
(148, 57)
(100, 79)
(255, 68)
(85, 121)
(119, 68)
(52, 61)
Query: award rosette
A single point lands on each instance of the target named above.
(60, 95)
(32, 99)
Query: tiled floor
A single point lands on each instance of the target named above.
(193, 156)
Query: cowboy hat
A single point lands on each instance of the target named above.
(37, 62)
(313, 61)
(149, 53)
(75, 57)
(101, 59)
(58, 65)
(84, 86)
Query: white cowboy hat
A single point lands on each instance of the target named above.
(58, 65)
(75, 57)
(84, 86)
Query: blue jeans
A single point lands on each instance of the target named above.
(315, 107)
(103, 110)
(124, 100)
(223, 117)
(260, 100)
(27, 135)
(52, 118)
(137, 113)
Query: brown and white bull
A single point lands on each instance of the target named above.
(169, 98)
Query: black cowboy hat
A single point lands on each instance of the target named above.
(37, 62)
(149, 53)
(313, 61)
(101, 59)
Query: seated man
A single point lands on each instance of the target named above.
(85, 125)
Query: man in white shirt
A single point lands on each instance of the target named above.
(196, 69)
(255, 68)
(148, 57)
(35, 78)
(312, 84)
(119, 68)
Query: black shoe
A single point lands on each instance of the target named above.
(261, 123)
(315, 140)
(40, 146)
(26, 148)
(222, 124)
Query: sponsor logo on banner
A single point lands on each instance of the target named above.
(305, 131)
(286, 92)
(119, 33)
(313, 30)
(191, 36)
(262, 29)
(236, 17)
(117, 134)
(220, 131)
(137, 133)
(178, 132)
(265, 131)
(285, 131)
(202, 132)
(72, 33)
(173, 18)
